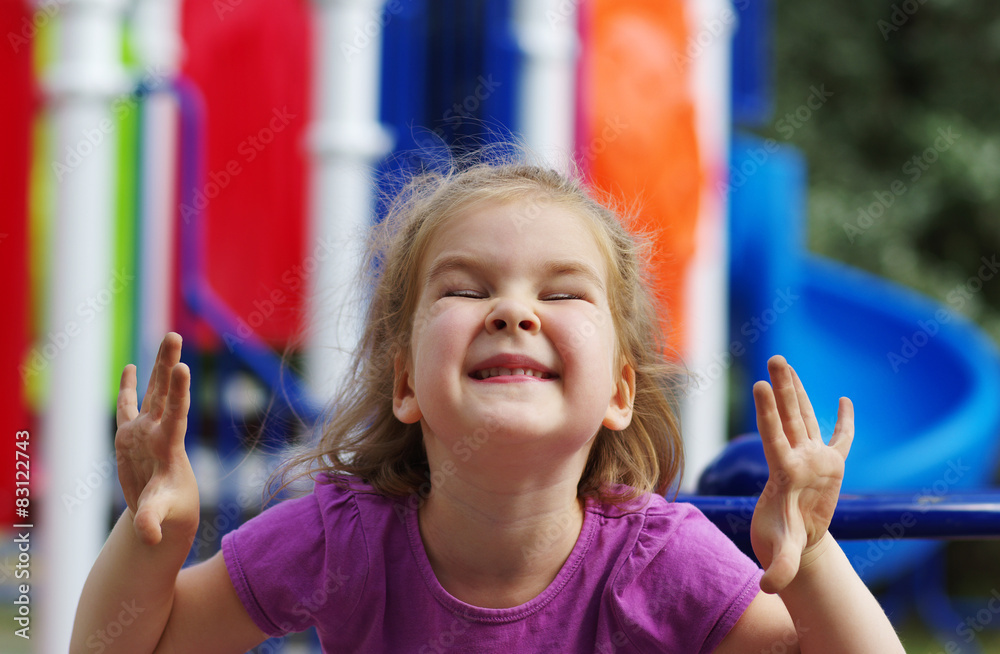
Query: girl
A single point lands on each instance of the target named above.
(492, 480)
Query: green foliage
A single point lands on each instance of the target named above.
(902, 74)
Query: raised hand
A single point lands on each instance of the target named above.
(797, 504)
(153, 468)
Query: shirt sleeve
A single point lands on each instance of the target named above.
(300, 562)
(685, 585)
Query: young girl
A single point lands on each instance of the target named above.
(492, 479)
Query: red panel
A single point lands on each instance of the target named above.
(16, 114)
(251, 60)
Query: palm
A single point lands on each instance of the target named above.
(797, 504)
(153, 468)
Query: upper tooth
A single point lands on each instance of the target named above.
(486, 373)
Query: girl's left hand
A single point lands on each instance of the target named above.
(797, 504)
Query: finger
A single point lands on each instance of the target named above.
(170, 354)
(126, 409)
(843, 433)
(147, 522)
(178, 401)
(769, 423)
(786, 399)
(151, 386)
(805, 407)
(784, 566)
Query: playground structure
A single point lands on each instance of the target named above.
(924, 380)
(253, 179)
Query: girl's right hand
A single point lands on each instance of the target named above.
(154, 471)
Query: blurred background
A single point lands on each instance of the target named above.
(902, 71)
(819, 179)
(895, 87)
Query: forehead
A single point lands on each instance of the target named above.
(517, 232)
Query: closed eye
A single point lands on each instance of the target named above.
(562, 296)
(465, 292)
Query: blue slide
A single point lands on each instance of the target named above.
(925, 382)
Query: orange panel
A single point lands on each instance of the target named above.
(639, 137)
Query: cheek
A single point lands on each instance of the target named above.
(586, 340)
(441, 340)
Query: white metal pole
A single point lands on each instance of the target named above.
(547, 37)
(712, 23)
(345, 141)
(76, 437)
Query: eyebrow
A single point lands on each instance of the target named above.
(569, 267)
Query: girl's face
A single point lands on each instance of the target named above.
(513, 342)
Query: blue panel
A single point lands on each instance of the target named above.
(449, 73)
(753, 95)
(404, 91)
(449, 81)
(404, 69)
(501, 66)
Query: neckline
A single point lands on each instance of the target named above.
(475, 613)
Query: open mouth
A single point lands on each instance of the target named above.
(487, 373)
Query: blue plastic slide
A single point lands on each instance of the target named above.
(925, 382)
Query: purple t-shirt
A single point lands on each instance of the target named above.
(659, 579)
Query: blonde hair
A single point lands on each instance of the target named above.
(363, 439)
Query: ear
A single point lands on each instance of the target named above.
(404, 399)
(619, 414)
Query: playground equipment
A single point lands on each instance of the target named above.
(924, 381)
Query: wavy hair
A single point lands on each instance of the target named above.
(361, 438)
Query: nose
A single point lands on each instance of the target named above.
(508, 313)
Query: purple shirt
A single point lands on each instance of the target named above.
(659, 579)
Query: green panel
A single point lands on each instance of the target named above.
(123, 306)
(41, 194)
